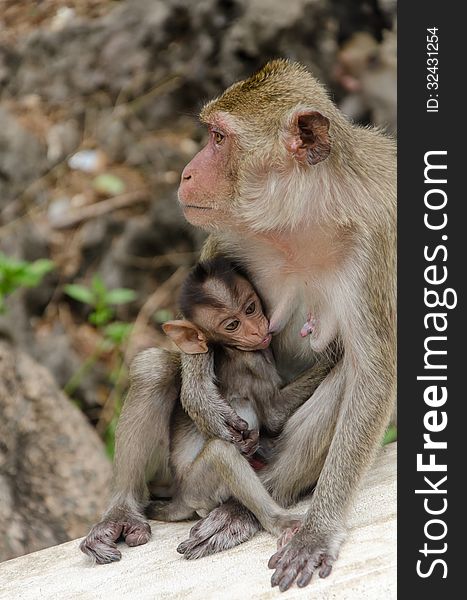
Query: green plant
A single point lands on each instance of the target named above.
(114, 336)
(390, 435)
(100, 299)
(15, 273)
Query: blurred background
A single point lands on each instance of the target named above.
(98, 116)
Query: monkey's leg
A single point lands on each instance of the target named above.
(241, 481)
(141, 450)
(218, 473)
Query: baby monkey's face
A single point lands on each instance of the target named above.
(233, 315)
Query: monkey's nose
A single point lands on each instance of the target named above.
(186, 174)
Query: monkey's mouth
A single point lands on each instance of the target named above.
(184, 206)
(267, 340)
(261, 346)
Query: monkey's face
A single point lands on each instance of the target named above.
(266, 134)
(207, 183)
(235, 316)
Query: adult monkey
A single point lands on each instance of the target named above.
(306, 201)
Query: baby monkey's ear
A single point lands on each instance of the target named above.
(187, 336)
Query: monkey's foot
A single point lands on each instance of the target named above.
(101, 542)
(298, 560)
(309, 326)
(227, 526)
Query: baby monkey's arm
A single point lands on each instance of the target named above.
(286, 400)
(206, 407)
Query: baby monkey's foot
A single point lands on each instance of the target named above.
(309, 326)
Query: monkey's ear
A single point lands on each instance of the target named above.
(310, 143)
(187, 336)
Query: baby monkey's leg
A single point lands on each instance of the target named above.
(233, 476)
(170, 511)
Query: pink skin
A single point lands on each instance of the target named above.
(206, 178)
(309, 326)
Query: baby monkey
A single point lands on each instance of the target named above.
(224, 315)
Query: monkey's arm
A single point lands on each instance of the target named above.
(368, 378)
(287, 399)
(141, 451)
(204, 404)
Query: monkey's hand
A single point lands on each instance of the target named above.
(249, 443)
(300, 557)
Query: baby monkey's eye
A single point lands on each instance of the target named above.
(233, 325)
(218, 137)
(250, 308)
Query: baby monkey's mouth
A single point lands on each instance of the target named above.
(264, 343)
(261, 346)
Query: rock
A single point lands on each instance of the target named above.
(54, 475)
(22, 157)
(62, 139)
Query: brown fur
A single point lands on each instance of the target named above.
(272, 212)
(201, 473)
(317, 239)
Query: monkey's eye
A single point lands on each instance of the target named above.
(233, 325)
(218, 137)
(373, 60)
(250, 309)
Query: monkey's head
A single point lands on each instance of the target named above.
(268, 135)
(220, 306)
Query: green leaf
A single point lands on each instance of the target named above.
(108, 184)
(118, 331)
(101, 316)
(162, 315)
(41, 267)
(98, 287)
(390, 435)
(80, 293)
(16, 273)
(120, 296)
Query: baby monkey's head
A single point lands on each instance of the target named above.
(220, 306)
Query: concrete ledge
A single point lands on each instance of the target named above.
(366, 566)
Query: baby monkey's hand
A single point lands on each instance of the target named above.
(236, 427)
(246, 440)
(250, 442)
